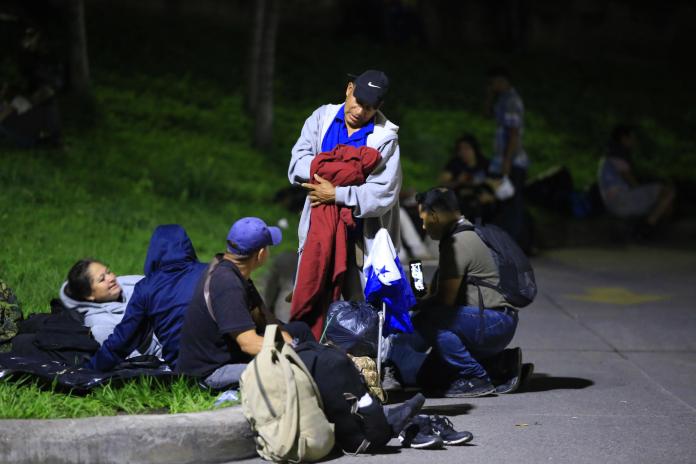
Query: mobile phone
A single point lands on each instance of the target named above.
(417, 281)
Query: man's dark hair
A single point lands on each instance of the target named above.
(438, 199)
(79, 283)
(498, 71)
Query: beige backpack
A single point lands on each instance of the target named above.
(282, 403)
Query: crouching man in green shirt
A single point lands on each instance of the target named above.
(450, 318)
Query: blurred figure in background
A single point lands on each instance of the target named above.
(510, 160)
(29, 113)
(621, 192)
(466, 173)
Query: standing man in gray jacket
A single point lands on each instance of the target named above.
(357, 122)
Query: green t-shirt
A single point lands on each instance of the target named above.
(464, 254)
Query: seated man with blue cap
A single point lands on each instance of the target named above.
(223, 322)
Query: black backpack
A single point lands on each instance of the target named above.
(517, 284)
(341, 387)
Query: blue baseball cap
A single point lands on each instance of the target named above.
(370, 87)
(250, 234)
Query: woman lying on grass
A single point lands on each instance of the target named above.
(94, 291)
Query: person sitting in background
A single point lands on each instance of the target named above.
(159, 300)
(467, 174)
(278, 284)
(279, 281)
(29, 120)
(101, 297)
(621, 192)
(29, 113)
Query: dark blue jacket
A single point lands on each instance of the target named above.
(159, 300)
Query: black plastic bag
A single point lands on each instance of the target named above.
(354, 327)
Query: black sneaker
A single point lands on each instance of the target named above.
(504, 367)
(443, 427)
(419, 434)
(469, 388)
(390, 378)
(399, 416)
(511, 372)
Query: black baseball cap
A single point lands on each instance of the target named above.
(370, 87)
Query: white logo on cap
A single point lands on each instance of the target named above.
(370, 84)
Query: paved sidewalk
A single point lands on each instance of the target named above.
(613, 337)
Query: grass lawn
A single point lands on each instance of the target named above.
(168, 142)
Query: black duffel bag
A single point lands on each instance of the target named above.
(358, 430)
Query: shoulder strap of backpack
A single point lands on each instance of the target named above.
(461, 226)
(257, 300)
(206, 286)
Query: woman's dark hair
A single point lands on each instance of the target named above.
(438, 199)
(481, 161)
(79, 283)
(615, 148)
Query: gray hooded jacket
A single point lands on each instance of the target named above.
(377, 200)
(101, 318)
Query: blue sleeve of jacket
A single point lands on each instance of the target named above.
(127, 335)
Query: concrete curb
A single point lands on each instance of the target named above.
(206, 437)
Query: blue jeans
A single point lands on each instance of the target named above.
(458, 342)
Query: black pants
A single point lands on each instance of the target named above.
(512, 216)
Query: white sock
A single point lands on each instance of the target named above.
(365, 401)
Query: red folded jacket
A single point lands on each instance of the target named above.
(324, 258)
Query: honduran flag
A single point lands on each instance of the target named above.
(386, 282)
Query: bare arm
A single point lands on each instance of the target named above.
(323, 193)
(446, 295)
(250, 342)
(629, 178)
(624, 169)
